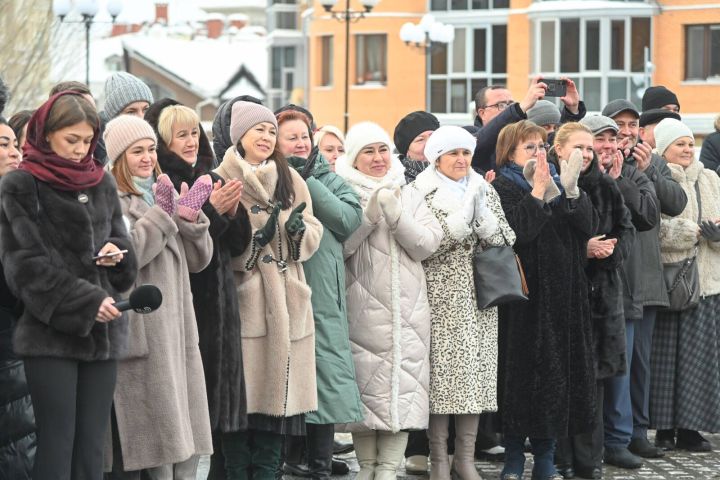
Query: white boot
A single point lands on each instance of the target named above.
(366, 448)
(417, 465)
(391, 452)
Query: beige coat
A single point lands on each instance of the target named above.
(678, 235)
(278, 330)
(388, 310)
(160, 400)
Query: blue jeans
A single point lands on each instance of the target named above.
(543, 450)
(617, 408)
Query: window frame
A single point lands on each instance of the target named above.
(707, 52)
(327, 62)
(356, 76)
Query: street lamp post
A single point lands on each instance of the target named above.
(348, 16)
(88, 9)
(426, 36)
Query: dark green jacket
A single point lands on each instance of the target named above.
(337, 206)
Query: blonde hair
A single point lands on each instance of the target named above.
(123, 177)
(567, 130)
(511, 136)
(331, 130)
(175, 115)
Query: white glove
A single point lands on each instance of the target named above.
(569, 173)
(481, 208)
(390, 205)
(551, 192)
(372, 209)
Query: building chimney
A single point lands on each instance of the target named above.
(161, 12)
(119, 29)
(239, 20)
(214, 25)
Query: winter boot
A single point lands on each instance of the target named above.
(437, 436)
(463, 467)
(366, 451)
(391, 453)
(320, 440)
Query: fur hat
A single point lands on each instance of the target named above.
(669, 130)
(122, 89)
(446, 139)
(412, 125)
(121, 132)
(544, 113)
(657, 97)
(246, 115)
(361, 135)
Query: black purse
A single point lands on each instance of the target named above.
(682, 279)
(499, 277)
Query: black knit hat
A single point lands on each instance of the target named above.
(412, 125)
(297, 108)
(655, 115)
(658, 97)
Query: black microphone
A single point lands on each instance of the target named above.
(144, 299)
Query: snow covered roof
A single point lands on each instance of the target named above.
(209, 67)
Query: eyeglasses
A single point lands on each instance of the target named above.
(532, 148)
(500, 105)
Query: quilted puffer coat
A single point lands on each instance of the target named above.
(388, 309)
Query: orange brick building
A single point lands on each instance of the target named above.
(601, 44)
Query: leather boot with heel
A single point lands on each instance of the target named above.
(437, 437)
(463, 465)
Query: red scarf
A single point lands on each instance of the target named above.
(47, 166)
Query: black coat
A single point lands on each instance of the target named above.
(17, 428)
(710, 152)
(546, 375)
(214, 296)
(606, 275)
(47, 241)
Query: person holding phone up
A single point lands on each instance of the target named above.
(59, 210)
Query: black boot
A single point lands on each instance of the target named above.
(320, 443)
(293, 461)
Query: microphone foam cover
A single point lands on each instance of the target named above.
(145, 298)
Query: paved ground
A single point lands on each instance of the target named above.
(676, 465)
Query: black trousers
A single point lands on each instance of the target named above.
(72, 402)
(585, 450)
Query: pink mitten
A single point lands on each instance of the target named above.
(165, 194)
(190, 203)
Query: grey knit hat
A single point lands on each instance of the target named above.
(121, 132)
(544, 113)
(122, 89)
(246, 115)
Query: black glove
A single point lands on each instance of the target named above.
(309, 170)
(710, 230)
(295, 222)
(265, 234)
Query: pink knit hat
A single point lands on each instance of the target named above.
(122, 131)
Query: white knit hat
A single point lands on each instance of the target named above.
(361, 135)
(446, 139)
(669, 130)
(121, 132)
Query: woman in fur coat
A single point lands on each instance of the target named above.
(278, 331)
(546, 372)
(60, 212)
(685, 382)
(160, 423)
(606, 252)
(388, 310)
(463, 339)
(184, 155)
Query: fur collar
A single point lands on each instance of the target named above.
(258, 185)
(428, 182)
(363, 184)
(689, 174)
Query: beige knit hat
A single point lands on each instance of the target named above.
(121, 132)
(246, 115)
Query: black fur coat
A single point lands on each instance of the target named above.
(47, 241)
(214, 296)
(546, 374)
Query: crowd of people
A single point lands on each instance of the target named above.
(317, 281)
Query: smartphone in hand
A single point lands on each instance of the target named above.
(109, 254)
(555, 87)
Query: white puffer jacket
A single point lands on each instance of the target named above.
(388, 310)
(678, 235)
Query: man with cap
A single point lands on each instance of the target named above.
(628, 429)
(495, 109)
(660, 97)
(649, 119)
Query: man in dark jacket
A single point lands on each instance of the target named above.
(495, 109)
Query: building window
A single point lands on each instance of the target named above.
(326, 61)
(444, 5)
(702, 52)
(282, 75)
(604, 56)
(286, 20)
(371, 59)
(476, 58)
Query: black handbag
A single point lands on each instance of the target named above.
(682, 279)
(499, 277)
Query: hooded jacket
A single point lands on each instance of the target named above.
(388, 309)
